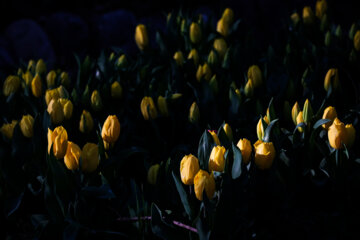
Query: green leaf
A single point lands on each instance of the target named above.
(268, 130)
(271, 115)
(321, 122)
(183, 196)
(225, 141)
(204, 149)
(236, 167)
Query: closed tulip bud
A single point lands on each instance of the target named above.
(86, 122)
(228, 15)
(203, 71)
(28, 77)
(238, 93)
(337, 134)
(212, 58)
(55, 111)
(51, 94)
(264, 154)
(245, 147)
(214, 137)
(153, 174)
(338, 32)
(122, 61)
(295, 18)
(260, 128)
(40, 67)
(141, 37)
(106, 145)
(300, 119)
(249, 88)
(189, 166)
(194, 113)
(204, 182)
(116, 90)
(7, 129)
(36, 86)
(179, 58)
(96, 102)
(195, 33)
(331, 78)
(294, 112)
(228, 131)
(111, 129)
(222, 27)
(162, 106)
(183, 27)
(324, 23)
(31, 65)
(350, 135)
(357, 40)
(307, 111)
(214, 84)
(176, 96)
(26, 126)
(308, 15)
(58, 139)
(50, 79)
(328, 39)
(220, 46)
(90, 157)
(320, 8)
(67, 107)
(64, 79)
(254, 73)
(72, 156)
(329, 113)
(11, 85)
(86, 95)
(148, 108)
(194, 56)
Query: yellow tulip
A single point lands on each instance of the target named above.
(228, 15)
(189, 166)
(295, 18)
(308, 15)
(222, 27)
(214, 137)
(162, 106)
(40, 67)
(11, 85)
(228, 131)
(7, 129)
(141, 37)
(90, 157)
(55, 111)
(300, 119)
(249, 88)
(357, 40)
(64, 79)
(96, 102)
(194, 55)
(86, 122)
(254, 73)
(194, 113)
(264, 154)
(350, 135)
(260, 129)
(153, 173)
(63, 93)
(329, 113)
(58, 139)
(320, 8)
(179, 58)
(217, 159)
(50, 79)
(72, 156)
(339, 134)
(195, 33)
(294, 112)
(116, 90)
(26, 126)
(111, 129)
(204, 182)
(331, 78)
(36, 86)
(31, 65)
(245, 147)
(28, 77)
(122, 61)
(67, 107)
(220, 46)
(203, 71)
(148, 108)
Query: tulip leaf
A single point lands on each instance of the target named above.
(300, 125)
(346, 151)
(271, 110)
(225, 141)
(268, 130)
(201, 225)
(236, 167)
(12, 203)
(102, 192)
(204, 149)
(321, 122)
(183, 196)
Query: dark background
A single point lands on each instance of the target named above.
(55, 30)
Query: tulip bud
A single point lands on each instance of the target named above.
(214, 136)
(338, 31)
(260, 128)
(31, 65)
(153, 174)
(295, 18)
(26, 126)
(7, 129)
(67, 107)
(222, 27)
(249, 89)
(64, 79)
(195, 33)
(350, 135)
(116, 90)
(40, 67)
(300, 119)
(294, 112)
(337, 134)
(331, 78)
(324, 24)
(51, 94)
(254, 73)
(189, 166)
(214, 84)
(220, 46)
(203, 71)
(90, 157)
(63, 93)
(320, 8)
(228, 15)
(238, 93)
(122, 61)
(11, 85)
(245, 147)
(86, 122)
(96, 102)
(328, 39)
(194, 113)
(357, 40)
(204, 182)
(28, 77)
(179, 58)
(183, 27)
(307, 112)
(264, 154)
(308, 15)
(55, 111)
(162, 106)
(194, 56)
(176, 96)
(212, 58)
(72, 156)
(329, 113)
(228, 131)
(141, 37)
(111, 129)
(58, 139)
(36, 86)
(50, 79)
(148, 108)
